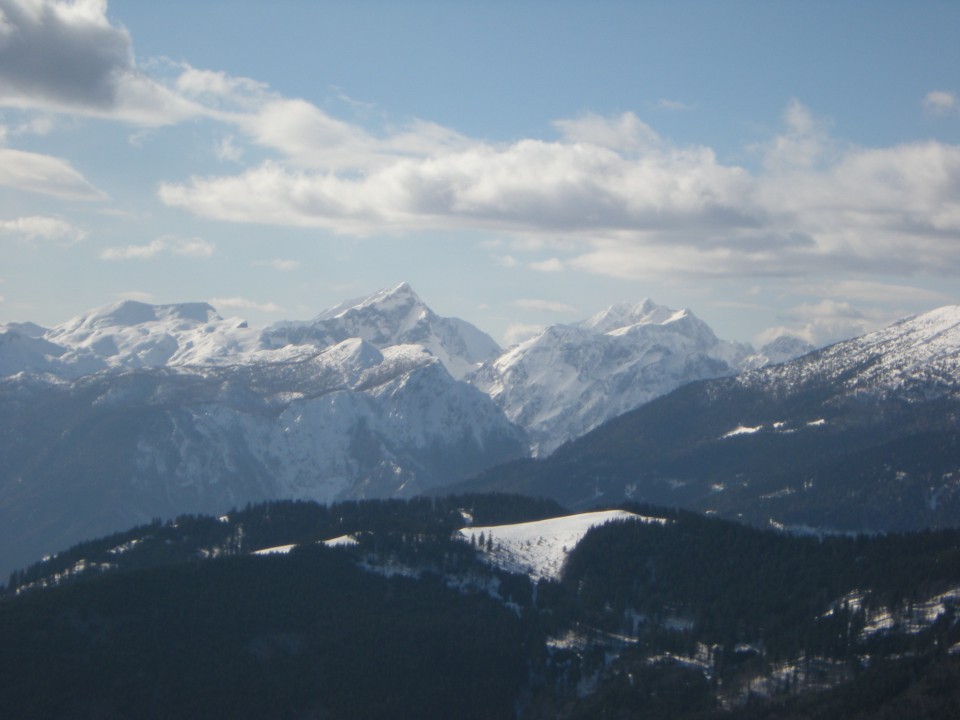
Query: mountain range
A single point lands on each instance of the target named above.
(859, 436)
(137, 411)
(569, 379)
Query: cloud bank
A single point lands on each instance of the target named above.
(632, 204)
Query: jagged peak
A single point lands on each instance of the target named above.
(402, 294)
(622, 315)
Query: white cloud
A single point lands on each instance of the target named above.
(39, 227)
(940, 102)
(530, 185)
(827, 321)
(518, 332)
(625, 133)
(803, 143)
(620, 198)
(544, 305)
(239, 303)
(551, 265)
(635, 213)
(46, 175)
(218, 87)
(187, 247)
(68, 57)
(309, 137)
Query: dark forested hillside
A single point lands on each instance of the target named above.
(304, 635)
(679, 617)
(807, 458)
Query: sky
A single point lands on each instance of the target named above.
(777, 168)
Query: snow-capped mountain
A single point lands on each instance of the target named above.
(569, 379)
(133, 410)
(130, 334)
(24, 348)
(861, 435)
(119, 447)
(915, 358)
(391, 317)
(126, 335)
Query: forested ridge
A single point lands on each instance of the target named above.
(690, 617)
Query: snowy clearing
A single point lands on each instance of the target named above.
(539, 548)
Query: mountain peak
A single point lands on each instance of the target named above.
(916, 357)
(389, 317)
(134, 334)
(571, 378)
(622, 315)
(385, 298)
(130, 313)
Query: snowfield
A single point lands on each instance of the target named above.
(539, 548)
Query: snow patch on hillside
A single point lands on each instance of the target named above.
(742, 430)
(539, 548)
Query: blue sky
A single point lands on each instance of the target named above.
(775, 167)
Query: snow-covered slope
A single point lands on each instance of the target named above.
(130, 334)
(392, 317)
(539, 548)
(571, 378)
(22, 350)
(127, 335)
(918, 357)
